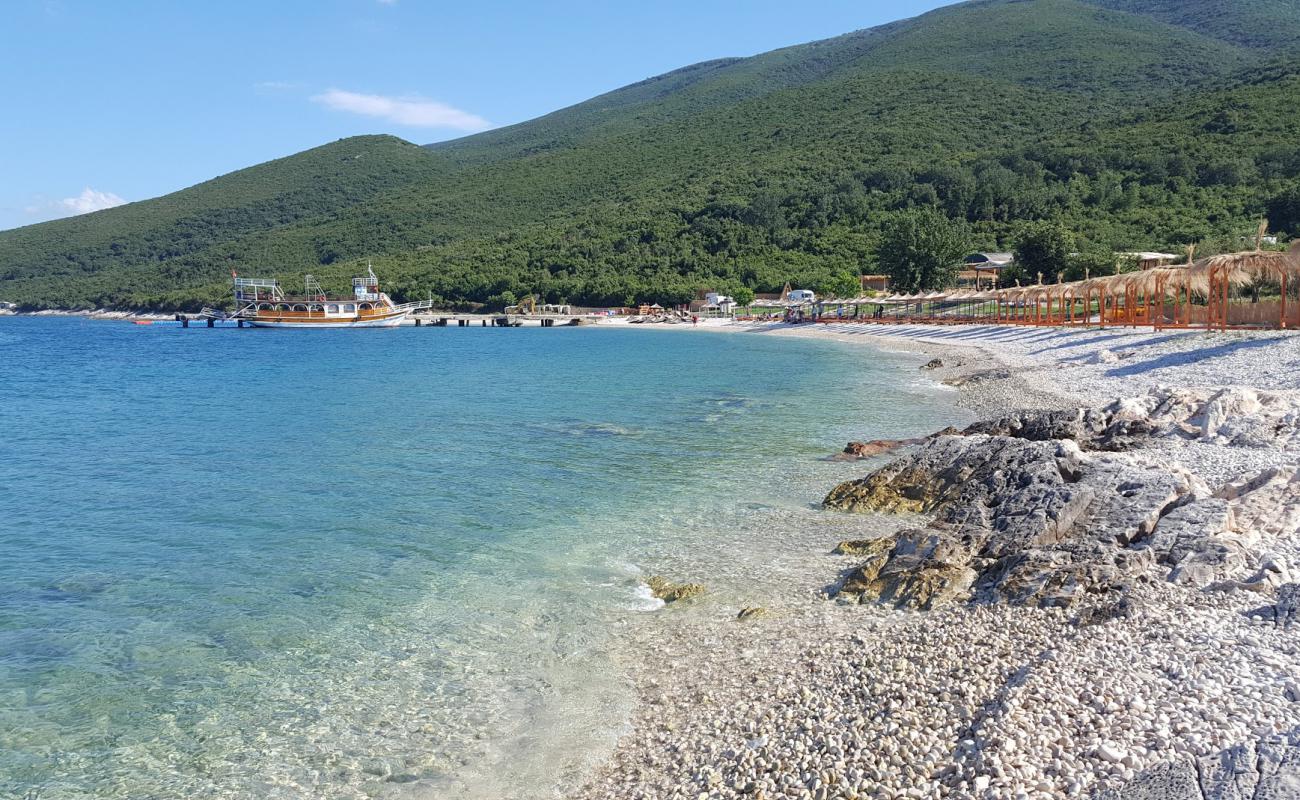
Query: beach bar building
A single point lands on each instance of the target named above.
(1148, 260)
(982, 269)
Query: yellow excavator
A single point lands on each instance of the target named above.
(526, 305)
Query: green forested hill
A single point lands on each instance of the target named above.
(1267, 24)
(1137, 123)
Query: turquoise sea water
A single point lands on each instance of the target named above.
(240, 563)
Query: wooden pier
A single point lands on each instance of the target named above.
(211, 322)
(497, 320)
(431, 319)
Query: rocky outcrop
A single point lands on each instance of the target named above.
(1090, 428)
(1266, 505)
(1237, 416)
(1176, 781)
(670, 592)
(1029, 521)
(1022, 513)
(1266, 769)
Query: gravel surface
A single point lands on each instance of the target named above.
(822, 699)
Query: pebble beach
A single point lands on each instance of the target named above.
(1178, 691)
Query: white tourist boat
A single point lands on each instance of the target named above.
(262, 303)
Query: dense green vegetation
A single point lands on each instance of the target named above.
(921, 250)
(1043, 253)
(1128, 124)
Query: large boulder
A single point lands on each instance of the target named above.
(1036, 522)
(1021, 511)
(920, 568)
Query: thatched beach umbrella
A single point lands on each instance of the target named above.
(1218, 274)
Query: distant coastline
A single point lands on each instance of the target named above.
(10, 310)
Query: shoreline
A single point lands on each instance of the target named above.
(828, 700)
(825, 697)
(108, 314)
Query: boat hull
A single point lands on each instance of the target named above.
(386, 321)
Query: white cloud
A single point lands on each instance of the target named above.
(43, 207)
(89, 200)
(274, 86)
(414, 111)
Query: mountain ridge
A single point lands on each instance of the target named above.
(757, 170)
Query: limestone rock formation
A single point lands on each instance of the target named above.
(1235, 416)
(1022, 512)
(1266, 769)
(1177, 781)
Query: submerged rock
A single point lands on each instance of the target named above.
(934, 363)
(856, 451)
(751, 612)
(670, 592)
(862, 547)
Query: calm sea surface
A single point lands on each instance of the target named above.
(239, 563)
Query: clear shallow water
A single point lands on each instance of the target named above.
(383, 563)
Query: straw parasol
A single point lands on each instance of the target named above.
(1244, 269)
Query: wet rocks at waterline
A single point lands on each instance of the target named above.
(859, 451)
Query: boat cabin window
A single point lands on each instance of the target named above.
(282, 307)
(300, 307)
(331, 309)
(264, 307)
(366, 306)
(350, 308)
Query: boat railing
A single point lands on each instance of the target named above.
(419, 305)
(254, 289)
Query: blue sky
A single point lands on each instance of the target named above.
(113, 100)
